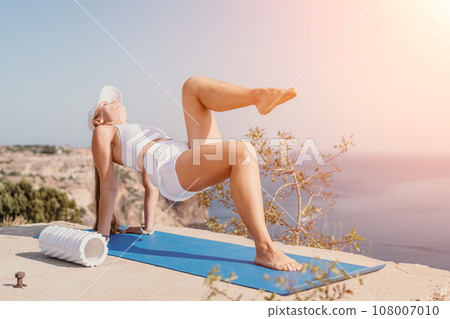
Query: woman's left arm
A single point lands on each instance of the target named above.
(150, 202)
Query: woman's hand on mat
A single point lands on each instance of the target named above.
(133, 230)
(137, 229)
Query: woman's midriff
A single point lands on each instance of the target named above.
(140, 158)
(117, 151)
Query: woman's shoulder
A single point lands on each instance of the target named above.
(104, 129)
(104, 132)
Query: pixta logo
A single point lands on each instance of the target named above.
(308, 150)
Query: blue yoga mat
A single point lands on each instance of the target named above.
(197, 256)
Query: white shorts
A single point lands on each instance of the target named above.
(163, 174)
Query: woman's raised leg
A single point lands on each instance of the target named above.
(201, 96)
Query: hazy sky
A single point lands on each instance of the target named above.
(386, 80)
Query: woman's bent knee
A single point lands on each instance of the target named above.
(192, 84)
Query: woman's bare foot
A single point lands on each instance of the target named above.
(273, 258)
(269, 98)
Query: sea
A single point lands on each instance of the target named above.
(400, 204)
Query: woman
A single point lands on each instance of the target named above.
(180, 170)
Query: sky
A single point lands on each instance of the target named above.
(379, 70)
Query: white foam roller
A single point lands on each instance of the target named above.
(74, 245)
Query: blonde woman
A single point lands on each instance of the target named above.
(172, 168)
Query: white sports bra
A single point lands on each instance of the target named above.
(134, 137)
